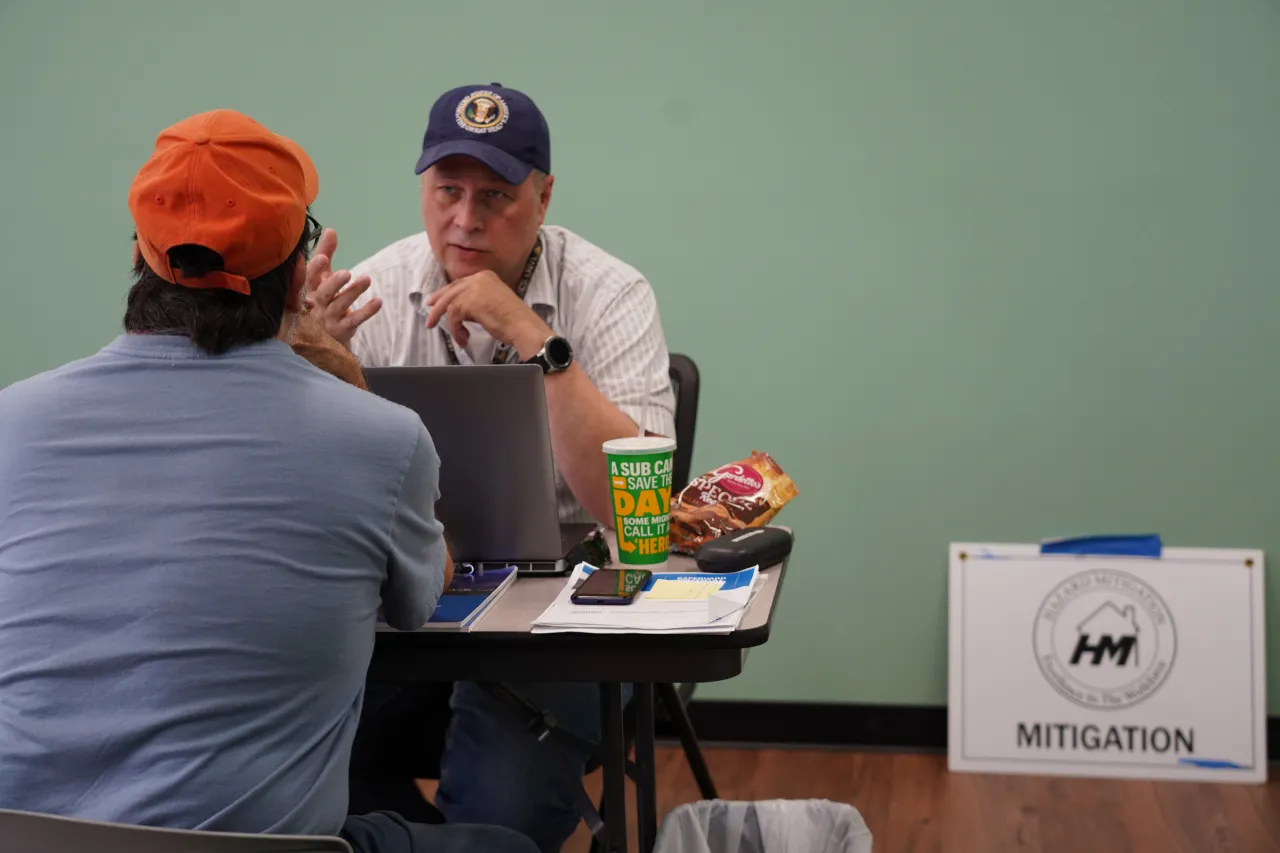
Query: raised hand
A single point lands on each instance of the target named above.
(485, 299)
(330, 294)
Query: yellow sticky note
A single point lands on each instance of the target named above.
(664, 589)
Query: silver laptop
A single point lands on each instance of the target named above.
(497, 476)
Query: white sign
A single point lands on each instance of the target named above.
(1069, 665)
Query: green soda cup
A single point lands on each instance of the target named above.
(640, 479)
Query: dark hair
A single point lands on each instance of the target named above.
(215, 319)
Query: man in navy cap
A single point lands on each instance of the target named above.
(488, 282)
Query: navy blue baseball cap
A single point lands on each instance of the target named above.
(500, 127)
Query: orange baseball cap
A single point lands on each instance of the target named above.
(221, 180)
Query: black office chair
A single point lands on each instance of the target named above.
(685, 382)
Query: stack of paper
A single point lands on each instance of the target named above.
(671, 603)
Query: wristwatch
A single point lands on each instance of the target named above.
(555, 356)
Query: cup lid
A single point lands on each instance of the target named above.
(637, 444)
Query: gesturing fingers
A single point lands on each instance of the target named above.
(328, 244)
(344, 328)
(348, 294)
(317, 271)
(364, 312)
(329, 287)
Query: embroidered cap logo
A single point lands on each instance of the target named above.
(482, 112)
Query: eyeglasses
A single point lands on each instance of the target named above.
(314, 233)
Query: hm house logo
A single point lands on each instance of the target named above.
(1105, 639)
(1109, 633)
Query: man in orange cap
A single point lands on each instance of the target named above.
(187, 598)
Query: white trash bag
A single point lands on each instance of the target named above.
(766, 826)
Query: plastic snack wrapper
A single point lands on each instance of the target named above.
(742, 494)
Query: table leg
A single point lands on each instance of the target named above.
(689, 740)
(615, 769)
(646, 795)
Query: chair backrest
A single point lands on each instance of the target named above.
(41, 833)
(685, 381)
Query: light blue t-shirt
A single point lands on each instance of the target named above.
(193, 551)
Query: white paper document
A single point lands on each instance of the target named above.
(671, 603)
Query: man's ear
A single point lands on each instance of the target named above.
(545, 196)
(297, 286)
(542, 186)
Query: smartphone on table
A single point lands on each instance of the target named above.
(611, 586)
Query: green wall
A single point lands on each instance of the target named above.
(972, 270)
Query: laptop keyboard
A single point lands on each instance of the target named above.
(523, 567)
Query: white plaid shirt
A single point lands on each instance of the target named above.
(604, 307)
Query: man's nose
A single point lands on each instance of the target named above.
(467, 216)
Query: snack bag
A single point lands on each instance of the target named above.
(746, 493)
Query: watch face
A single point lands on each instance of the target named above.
(558, 352)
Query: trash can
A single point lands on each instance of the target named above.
(767, 826)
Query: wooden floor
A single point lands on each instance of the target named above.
(911, 803)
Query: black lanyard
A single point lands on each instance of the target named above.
(502, 355)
